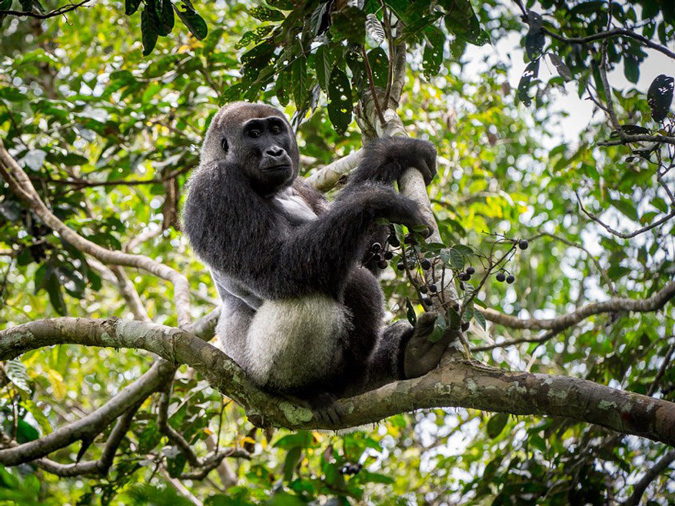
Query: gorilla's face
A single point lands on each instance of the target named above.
(264, 147)
(258, 139)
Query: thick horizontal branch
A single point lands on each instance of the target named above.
(456, 383)
(326, 177)
(653, 303)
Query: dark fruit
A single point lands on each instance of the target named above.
(501, 277)
(388, 255)
(426, 301)
(510, 279)
(465, 326)
(382, 264)
(424, 289)
(470, 270)
(393, 240)
(461, 285)
(523, 244)
(375, 247)
(426, 264)
(400, 266)
(377, 257)
(433, 288)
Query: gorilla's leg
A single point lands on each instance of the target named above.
(404, 352)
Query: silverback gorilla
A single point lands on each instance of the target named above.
(302, 314)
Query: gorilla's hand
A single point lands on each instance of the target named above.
(385, 160)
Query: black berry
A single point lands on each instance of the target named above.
(470, 270)
(377, 257)
(501, 277)
(465, 326)
(426, 264)
(393, 240)
(426, 301)
(375, 247)
(382, 264)
(523, 244)
(400, 266)
(510, 279)
(388, 255)
(424, 289)
(433, 288)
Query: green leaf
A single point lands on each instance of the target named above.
(38, 414)
(496, 424)
(480, 319)
(149, 29)
(350, 24)
(265, 14)
(5, 5)
(339, 100)
(660, 96)
(631, 68)
(56, 295)
(322, 65)
(535, 39)
(410, 312)
(299, 72)
(293, 456)
(432, 58)
(461, 20)
(131, 6)
(193, 21)
(563, 70)
(626, 207)
(531, 72)
(379, 64)
(18, 374)
(166, 18)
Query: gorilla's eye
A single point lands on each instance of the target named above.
(254, 133)
(276, 129)
(224, 145)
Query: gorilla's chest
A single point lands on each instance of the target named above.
(293, 206)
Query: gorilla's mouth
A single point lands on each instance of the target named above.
(276, 168)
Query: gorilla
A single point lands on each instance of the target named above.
(302, 312)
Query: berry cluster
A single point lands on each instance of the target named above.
(349, 469)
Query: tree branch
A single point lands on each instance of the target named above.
(325, 178)
(457, 383)
(640, 487)
(653, 303)
(52, 14)
(608, 34)
(622, 235)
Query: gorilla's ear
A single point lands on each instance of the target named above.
(224, 144)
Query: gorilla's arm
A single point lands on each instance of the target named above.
(241, 234)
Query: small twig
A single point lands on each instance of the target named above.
(653, 473)
(54, 13)
(662, 370)
(82, 183)
(547, 336)
(622, 235)
(608, 34)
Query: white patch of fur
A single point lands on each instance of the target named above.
(293, 342)
(294, 205)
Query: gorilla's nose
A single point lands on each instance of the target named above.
(275, 152)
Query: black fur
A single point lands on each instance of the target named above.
(260, 249)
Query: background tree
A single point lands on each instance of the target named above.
(559, 251)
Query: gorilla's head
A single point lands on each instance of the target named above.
(257, 138)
